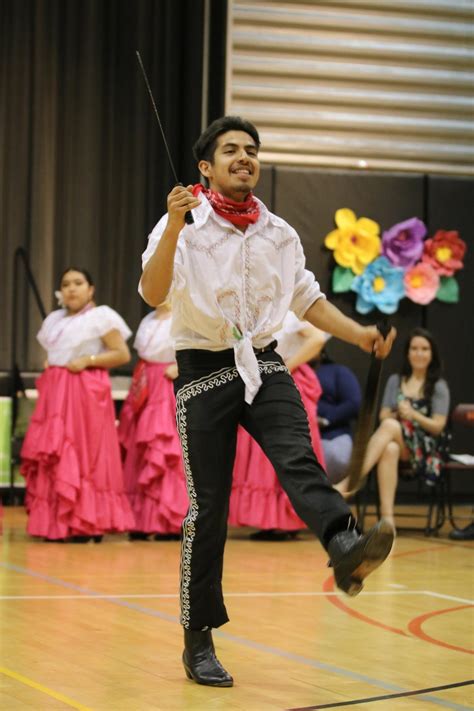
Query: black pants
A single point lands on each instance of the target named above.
(209, 407)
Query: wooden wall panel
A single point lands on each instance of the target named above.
(350, 83)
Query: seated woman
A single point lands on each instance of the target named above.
(338, 405)
(414, 412)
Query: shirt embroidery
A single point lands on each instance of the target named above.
(208, 249)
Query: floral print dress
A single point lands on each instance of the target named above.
(426, 457)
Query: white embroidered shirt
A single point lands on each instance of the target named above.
(232, 289)
(68, 337)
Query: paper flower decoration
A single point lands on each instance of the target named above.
(402, 244)
(445, 252)
(356, 242)
(448, 290)
(421, 283)
(380, 286)
(410, 266)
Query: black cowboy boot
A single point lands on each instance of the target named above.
(200, 662)
(354, 556)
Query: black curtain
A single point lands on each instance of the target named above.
(84, 173)
(450, 206)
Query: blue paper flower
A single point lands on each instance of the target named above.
(379, 286)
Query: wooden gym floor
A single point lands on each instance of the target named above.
(94, 627)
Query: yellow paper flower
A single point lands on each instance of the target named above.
(356, 242)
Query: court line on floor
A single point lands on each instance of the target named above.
(328, 586)
(175, 596)
(43, 689)
(335, 670)
(91, 594)
(416, 628)
(250, 644)
(371, 699)
(443, 596)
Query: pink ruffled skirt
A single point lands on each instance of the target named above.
(71, 458)
(257, 498)
(153, 469)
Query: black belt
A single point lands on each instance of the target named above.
(270, 347)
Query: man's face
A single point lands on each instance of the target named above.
(235, 168)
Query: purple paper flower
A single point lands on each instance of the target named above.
(402, 244)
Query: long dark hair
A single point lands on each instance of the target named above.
(82, 271)
(435, 367)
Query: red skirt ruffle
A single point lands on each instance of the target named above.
(153, 469)
(71, 458)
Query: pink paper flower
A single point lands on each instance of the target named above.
(445, 252)
(421, 283)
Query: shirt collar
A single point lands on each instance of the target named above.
(205, 212)
(201, 214)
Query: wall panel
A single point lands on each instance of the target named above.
(265, 187)
(385, 84)
(451, 206)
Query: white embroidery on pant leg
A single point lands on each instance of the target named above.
(192, 389)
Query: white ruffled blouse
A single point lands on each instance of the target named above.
(65, 338)
(232, 289)
(153, 341)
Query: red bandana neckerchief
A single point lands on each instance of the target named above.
(241, 214)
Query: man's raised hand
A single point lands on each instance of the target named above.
(180, 201)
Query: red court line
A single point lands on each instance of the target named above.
(328, 586)
(415, 627)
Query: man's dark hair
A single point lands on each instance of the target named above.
(205, 146)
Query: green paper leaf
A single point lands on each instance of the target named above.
(342, 279)
(448, 290)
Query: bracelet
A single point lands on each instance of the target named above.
(92, 359)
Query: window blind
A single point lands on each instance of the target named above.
(378, 84)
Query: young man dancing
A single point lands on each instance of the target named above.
(231, 277)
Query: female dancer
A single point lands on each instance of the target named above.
(257, 497)
(153, 471)
(414, 412)
(71, 455)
